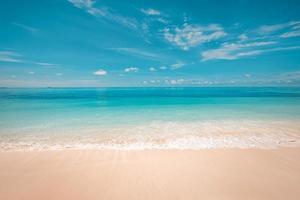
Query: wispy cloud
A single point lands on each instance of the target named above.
(44, 64)
(294, 33)
(193, 35)
(14, 57)
(10, 56)
(235, 51)
(178, 65)
(232, 51)
(163, 20)
(154, 15)
(292, 76)
(100, 72)
(268, 29)
(105, 13)
(131, 69)
(26, 27)
(285, 78)
(138, 52)
(262, 40)
(84, 4)
(151, 11)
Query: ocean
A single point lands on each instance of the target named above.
(149, 118)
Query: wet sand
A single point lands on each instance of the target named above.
(151, 174)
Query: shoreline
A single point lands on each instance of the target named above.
(151, 174)
(161, 135)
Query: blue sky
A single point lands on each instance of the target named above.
(76, 43)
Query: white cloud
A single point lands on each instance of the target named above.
(100, 72)
(138, 52)
(152, 81)
(145, 27)
(163, 20)
(243, 37)
(193, 35)
(175, 81)
(88, 6)
(10, 56)
(283, 78)
(59, 74)
(289, 34)
(44, 64)
(14, 57)
(163, 67)
(291, 75)
(122, 20)
(246, 46)
(26, 27)
(268, 29)
(31, 73)
(151, 11)
(131, 69)
(155, 15)
(152, 69)
(178, 65)
(232, 51)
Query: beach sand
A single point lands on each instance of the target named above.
(151, 174)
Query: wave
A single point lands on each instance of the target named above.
(211, 134)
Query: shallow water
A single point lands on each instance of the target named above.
(147, 118)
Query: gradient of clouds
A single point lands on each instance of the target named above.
(289, 34)
(10, 56)
(233, 52)
(268, 29)
(193, 35)
(89, 7)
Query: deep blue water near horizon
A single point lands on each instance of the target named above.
(70, 110)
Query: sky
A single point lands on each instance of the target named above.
(105, 43)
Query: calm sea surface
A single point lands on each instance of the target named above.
(142, 118)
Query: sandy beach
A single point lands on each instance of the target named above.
(149, 100)
(154, 174)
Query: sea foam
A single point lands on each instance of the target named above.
(263, 134)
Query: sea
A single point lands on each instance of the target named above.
(149, 118)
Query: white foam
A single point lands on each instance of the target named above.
(163, 135)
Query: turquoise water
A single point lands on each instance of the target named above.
(112, 115)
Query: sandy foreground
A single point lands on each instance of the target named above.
(157, 174)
